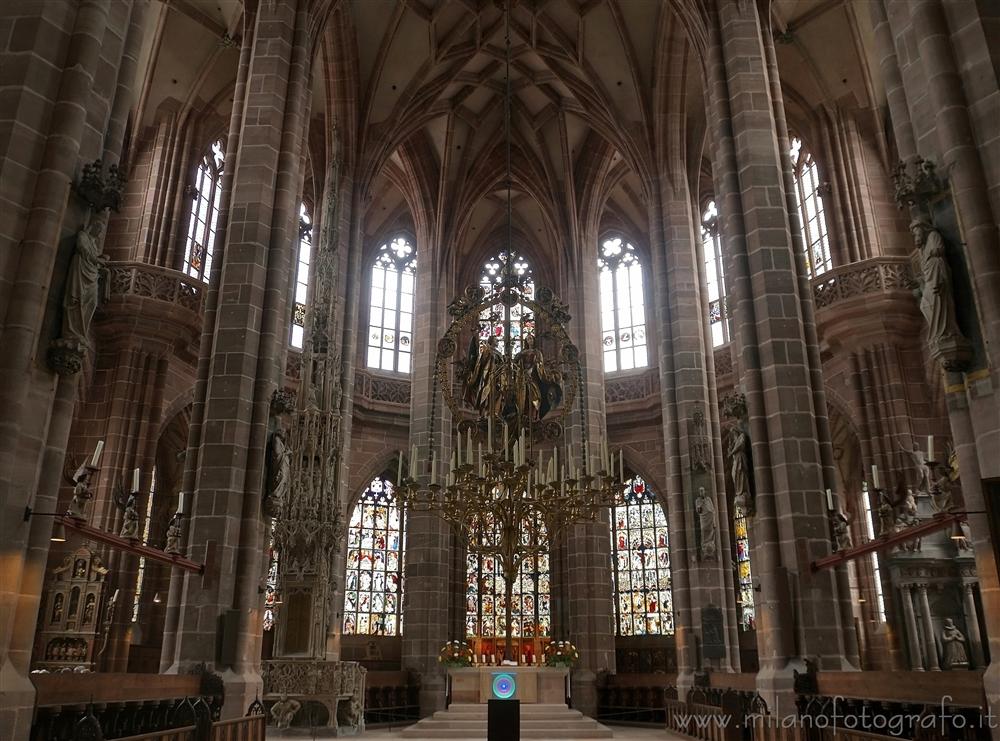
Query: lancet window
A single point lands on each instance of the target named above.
(811, 213)
(640, 551)
(623, 310)
(718, 319)
(744, 572)
(199, 245)
(301, 279)
(376, 543)
(390, 317)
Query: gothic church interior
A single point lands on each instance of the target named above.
(366, 360)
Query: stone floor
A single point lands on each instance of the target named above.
(621, 732)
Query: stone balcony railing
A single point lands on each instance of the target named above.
(864, 278)
(151, 281)
(371, 389)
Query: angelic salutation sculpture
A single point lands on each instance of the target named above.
(953, 646)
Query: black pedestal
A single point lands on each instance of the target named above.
(503, 720)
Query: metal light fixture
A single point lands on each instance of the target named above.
(503, 495)
(58, 533)
(156, 598)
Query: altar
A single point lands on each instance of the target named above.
(529, 684)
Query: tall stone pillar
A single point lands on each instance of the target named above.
(244, 365)
(927, 622)
(972, 625)
(800, 612)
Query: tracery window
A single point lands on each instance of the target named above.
(875, 561)
(486, 596)
(140, 573)
(744, 572)
(811, 214)
(623, 311)
(640, 548)
(199, 246)
(718, 319)
(301, 278)
(390, 318)
(376, 542)
(522, 321)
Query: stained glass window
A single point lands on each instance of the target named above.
(140, 573)
(271, 582)
(301, 278)
(623, 311)
(866, 501)
(486, 595)
(199, 245)
(810, 202)
(522, 321)
(390, 318)
(376, 541)
(640, 548)
(718, 319)
(744, 573)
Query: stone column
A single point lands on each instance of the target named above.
(972, 625)
(778, 361)
(928, 625)
(912, 637)
(244, 364)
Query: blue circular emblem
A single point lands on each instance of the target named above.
(504, 686)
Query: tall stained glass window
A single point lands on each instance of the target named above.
(810, 202)
(744, 574)
(876, 563)
(390, 318)
(486, 597)
(640, 548)
(623, 310)
(522, 321)
(199, 245)
(301, 279)
(376, 541)
(715, 276)
(140, 573)
(271, 582)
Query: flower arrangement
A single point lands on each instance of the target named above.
(455, 653)
(561, 653)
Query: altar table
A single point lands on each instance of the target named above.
(532, 684)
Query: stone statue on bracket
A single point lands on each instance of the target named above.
(279, 474)
(130, 526)
(954, 655)
(704, 509)
(937, 298)
(942, 488)
(841, 531)
(81, 492)
(734, 406)
(175, 531)
(919, 460)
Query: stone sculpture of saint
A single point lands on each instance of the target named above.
(284, 710)
(174, 533)
(279, 473)
(80, 298)
(704, 508)
(740, 465)
(937, 294)
(81, 493)
(919, 460)
(953, 646)
(130, 526)
(841, 531)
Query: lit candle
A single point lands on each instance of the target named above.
(875, 476)
(930, 447)
(97, 454)
(829, 500)
(135, 480)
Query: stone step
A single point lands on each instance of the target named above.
(537, 722)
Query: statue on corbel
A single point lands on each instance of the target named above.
(734, 407)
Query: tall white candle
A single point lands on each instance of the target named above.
(97, 454)
(413, 461)
(829, 500)
(434, 467)
(399, 468)
(621, 465)
(930, 447)
(875, 476)
(135, 480)
(468, 446)
(180, 502)
(457, 453)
